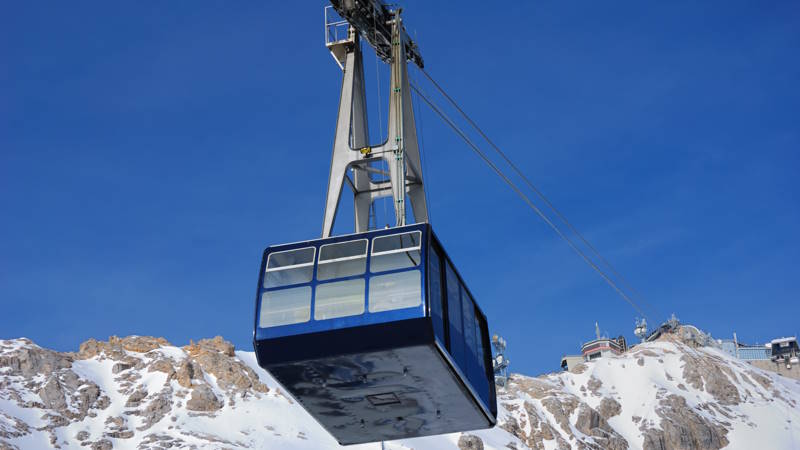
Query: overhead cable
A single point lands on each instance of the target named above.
(525, 198)
(539, 193)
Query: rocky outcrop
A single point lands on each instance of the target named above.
(157, 408)
(45, 380)
(708, 375)
(551, 414)
(682, 428)
(52, 395)
(12, 427)
(203, 399)
(187, 372)
(30, 360)
(470, 442)
(591, 423)
(609, 408)
(216, 357)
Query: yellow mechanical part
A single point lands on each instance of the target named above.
(366, 151)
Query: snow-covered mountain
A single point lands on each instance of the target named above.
(142, 392)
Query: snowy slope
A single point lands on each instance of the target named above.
(659, 395)
(142, 392)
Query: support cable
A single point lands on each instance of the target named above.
(422, 156)
(380, 123)
(525, 198)
(539, 193)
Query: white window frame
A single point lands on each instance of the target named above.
(397, 250)
(293, 266)
(343, 258)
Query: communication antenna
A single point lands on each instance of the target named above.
(641, 329)
(500, 363)
(673, 322)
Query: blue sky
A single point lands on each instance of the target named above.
(150, 151)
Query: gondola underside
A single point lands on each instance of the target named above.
(383, 395)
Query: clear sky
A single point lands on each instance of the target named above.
(149, 152)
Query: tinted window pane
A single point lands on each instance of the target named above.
(342, 259)
(286, 277)
(290, 258)
(285, 306)
(481, 340)
(435, 298)
(468, 317)
(454, 316)
(484, 375)
(390, 261)
(395, 291)
(396, 242)
(339, 299)
(396, 251)
(289, 267)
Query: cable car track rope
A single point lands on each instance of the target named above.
(445, 118)
(536, 190)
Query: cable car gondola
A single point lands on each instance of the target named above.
(375, 333)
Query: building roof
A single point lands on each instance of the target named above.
(607, 341)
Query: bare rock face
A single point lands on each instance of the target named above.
(215, 345)
(470, 442)
(103, 444)
(87, 397)
(52, 395)
(188, 371)
(203, 399)
(561, 408)
(594, 385)
(609, 408)
(552, 415)
(139, 344)
(217, 357)
(591, 423)
(136, 398)
(12, 427)
(707, 374)
(162, 365)
(157, 409)
(117, 428)
(34, 360)
(116, 347)
(683, 429)
(120, 367)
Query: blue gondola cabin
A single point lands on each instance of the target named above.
(376, 335)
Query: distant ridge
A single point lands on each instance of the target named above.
(142, 392)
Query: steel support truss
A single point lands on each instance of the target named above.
(354, 159)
